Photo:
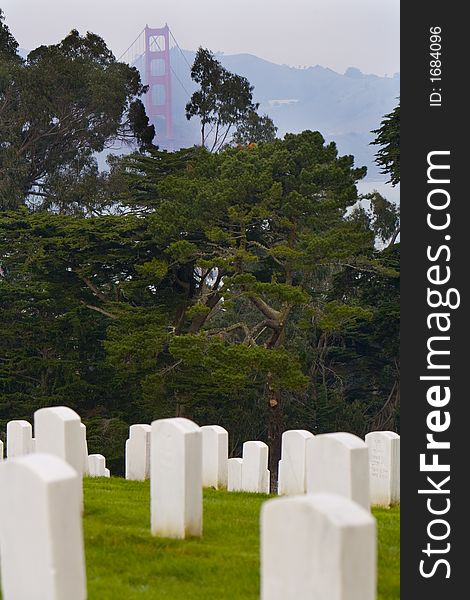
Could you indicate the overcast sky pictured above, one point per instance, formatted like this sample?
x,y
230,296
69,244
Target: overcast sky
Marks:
x,y
331,33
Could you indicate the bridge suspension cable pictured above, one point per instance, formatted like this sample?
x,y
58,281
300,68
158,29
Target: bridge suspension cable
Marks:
x,y
182,53
137,49
127,51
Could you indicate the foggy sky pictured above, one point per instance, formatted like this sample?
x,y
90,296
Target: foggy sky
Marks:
x,y
332,33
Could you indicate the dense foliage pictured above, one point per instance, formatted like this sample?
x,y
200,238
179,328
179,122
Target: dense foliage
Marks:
x,y
223,103
58,109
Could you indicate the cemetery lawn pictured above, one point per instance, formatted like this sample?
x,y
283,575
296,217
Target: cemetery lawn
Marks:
x,y
125,562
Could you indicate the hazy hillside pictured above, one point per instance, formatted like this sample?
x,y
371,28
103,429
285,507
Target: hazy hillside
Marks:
x,y
345,108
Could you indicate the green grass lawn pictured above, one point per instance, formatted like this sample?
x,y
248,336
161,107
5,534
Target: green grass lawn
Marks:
x,y
124,562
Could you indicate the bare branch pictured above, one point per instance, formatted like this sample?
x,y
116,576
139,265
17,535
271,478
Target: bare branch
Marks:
x,y
101,311
270,313
93,287
170,367
224,330
394,237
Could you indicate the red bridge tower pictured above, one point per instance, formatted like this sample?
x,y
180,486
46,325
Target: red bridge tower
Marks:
x,y
158,78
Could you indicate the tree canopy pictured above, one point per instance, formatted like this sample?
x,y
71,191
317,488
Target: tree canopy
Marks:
x,y
222,102
59,108
225,290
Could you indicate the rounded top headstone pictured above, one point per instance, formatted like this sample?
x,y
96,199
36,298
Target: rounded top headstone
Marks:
x,y
346,439
216,428
63,412
180,423
390,434
47,467
340,511
297,433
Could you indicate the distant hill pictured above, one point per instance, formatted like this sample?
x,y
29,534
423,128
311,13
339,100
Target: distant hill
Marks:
x,y
344,108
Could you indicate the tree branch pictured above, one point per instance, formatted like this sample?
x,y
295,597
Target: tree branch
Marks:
x,y
101,311
261,327
259,245
270,313
394,237
224,138
230,328
92,287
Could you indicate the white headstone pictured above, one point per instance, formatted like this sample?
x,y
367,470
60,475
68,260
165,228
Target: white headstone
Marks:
x,y
19,438
96,465
107,473
84,449
138,453
292,463
338,463
176,478
317,547
384,467
1,450
234,479
41,538
57,431
255,474
214,456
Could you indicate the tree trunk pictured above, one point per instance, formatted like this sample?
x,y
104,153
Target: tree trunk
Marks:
x,y
275,429
180,409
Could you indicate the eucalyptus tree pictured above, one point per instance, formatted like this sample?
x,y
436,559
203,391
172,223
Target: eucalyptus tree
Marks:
x,y
224,104
60,107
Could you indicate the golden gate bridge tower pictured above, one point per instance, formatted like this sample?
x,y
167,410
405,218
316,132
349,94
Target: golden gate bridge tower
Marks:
x,y
158,77
152,54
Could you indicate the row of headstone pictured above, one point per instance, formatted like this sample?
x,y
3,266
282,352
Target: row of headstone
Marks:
x,y
333,463
320,546
336,463
250,473
60,432
214,454
341,463
317,546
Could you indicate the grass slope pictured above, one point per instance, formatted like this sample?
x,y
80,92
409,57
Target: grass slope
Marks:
x,y
125,561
